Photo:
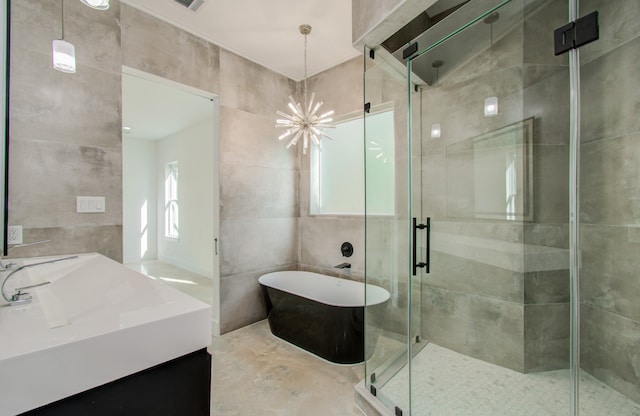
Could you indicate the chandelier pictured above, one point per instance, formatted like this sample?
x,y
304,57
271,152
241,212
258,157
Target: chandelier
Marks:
x,y
304,121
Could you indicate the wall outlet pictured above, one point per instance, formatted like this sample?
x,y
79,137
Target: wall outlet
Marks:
x,y
15,234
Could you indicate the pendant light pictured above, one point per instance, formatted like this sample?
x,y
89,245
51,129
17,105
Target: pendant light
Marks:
x,y
491,103
304,121
97,4
64,53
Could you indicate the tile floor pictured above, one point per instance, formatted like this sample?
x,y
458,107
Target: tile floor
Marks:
x,y
450,383
193,284
257,374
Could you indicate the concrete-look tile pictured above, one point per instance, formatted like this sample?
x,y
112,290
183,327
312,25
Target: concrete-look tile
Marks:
x,y
154,46
609,271
546,16
58,172
250,139
546,337
384,84
321,238
548,286
95,35
511,231
304,192
618,24
433,171
609,187
386,245
483,58
106,240
610,349
279,378
477,326
550,195
250,244
341,88
546,99
241,301
85,108
607,95
366,14
258,192
462,275
450,104
549,235
247,86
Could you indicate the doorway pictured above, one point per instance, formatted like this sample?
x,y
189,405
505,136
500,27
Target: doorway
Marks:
x,y
170,183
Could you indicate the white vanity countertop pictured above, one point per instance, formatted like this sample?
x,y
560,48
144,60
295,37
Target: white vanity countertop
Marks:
x,y
96,322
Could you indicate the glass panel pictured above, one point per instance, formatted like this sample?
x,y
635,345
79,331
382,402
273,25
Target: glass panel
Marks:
x,y
386,240
610,211
337,170
490,134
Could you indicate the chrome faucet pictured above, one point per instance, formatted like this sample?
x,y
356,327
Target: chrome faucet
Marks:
x,y
343,266
21,297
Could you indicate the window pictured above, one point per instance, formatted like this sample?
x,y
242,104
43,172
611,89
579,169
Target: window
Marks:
x,y
171,212
337,171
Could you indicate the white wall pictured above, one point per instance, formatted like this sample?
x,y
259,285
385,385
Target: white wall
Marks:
x,y
193,149
139,200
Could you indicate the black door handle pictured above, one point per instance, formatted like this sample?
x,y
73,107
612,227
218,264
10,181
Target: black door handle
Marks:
x,y
415,229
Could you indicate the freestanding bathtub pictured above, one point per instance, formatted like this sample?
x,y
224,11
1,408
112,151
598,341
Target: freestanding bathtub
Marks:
x,y
321,314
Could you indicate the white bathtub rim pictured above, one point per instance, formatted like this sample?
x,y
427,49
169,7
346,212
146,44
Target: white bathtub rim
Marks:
x,y
324,289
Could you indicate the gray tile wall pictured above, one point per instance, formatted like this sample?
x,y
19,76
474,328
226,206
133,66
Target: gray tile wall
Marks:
x,y
258,177
610,198
62,146
320,236
465,297
65,129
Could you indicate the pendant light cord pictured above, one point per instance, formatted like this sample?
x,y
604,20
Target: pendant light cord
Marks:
x,y
62,18
305,70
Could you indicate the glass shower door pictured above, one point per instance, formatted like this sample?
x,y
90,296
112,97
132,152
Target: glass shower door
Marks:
x,y
609,203
498,127
386,230
489,145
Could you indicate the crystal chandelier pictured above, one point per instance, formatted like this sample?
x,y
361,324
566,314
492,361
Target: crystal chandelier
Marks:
x,y
304,121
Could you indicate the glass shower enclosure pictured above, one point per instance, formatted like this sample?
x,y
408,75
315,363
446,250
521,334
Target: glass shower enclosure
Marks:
x,y
512,253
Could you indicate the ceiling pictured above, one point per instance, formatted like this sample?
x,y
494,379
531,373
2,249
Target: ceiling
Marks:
x,y
266,32
153,110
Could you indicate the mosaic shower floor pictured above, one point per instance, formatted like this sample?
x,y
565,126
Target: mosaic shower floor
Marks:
x,y
449,383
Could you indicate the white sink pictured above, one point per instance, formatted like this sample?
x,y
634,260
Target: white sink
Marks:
x,y
96,322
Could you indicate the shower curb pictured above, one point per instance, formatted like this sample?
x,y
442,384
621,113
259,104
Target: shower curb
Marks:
x,y
368,403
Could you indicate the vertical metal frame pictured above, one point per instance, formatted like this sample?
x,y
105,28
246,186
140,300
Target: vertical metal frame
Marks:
x,y
574,216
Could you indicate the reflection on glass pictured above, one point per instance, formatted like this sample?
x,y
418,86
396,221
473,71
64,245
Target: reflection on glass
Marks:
x,y
337,170
490,176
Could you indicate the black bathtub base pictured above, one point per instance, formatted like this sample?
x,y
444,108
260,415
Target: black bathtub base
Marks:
x,y
333,333
323,357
